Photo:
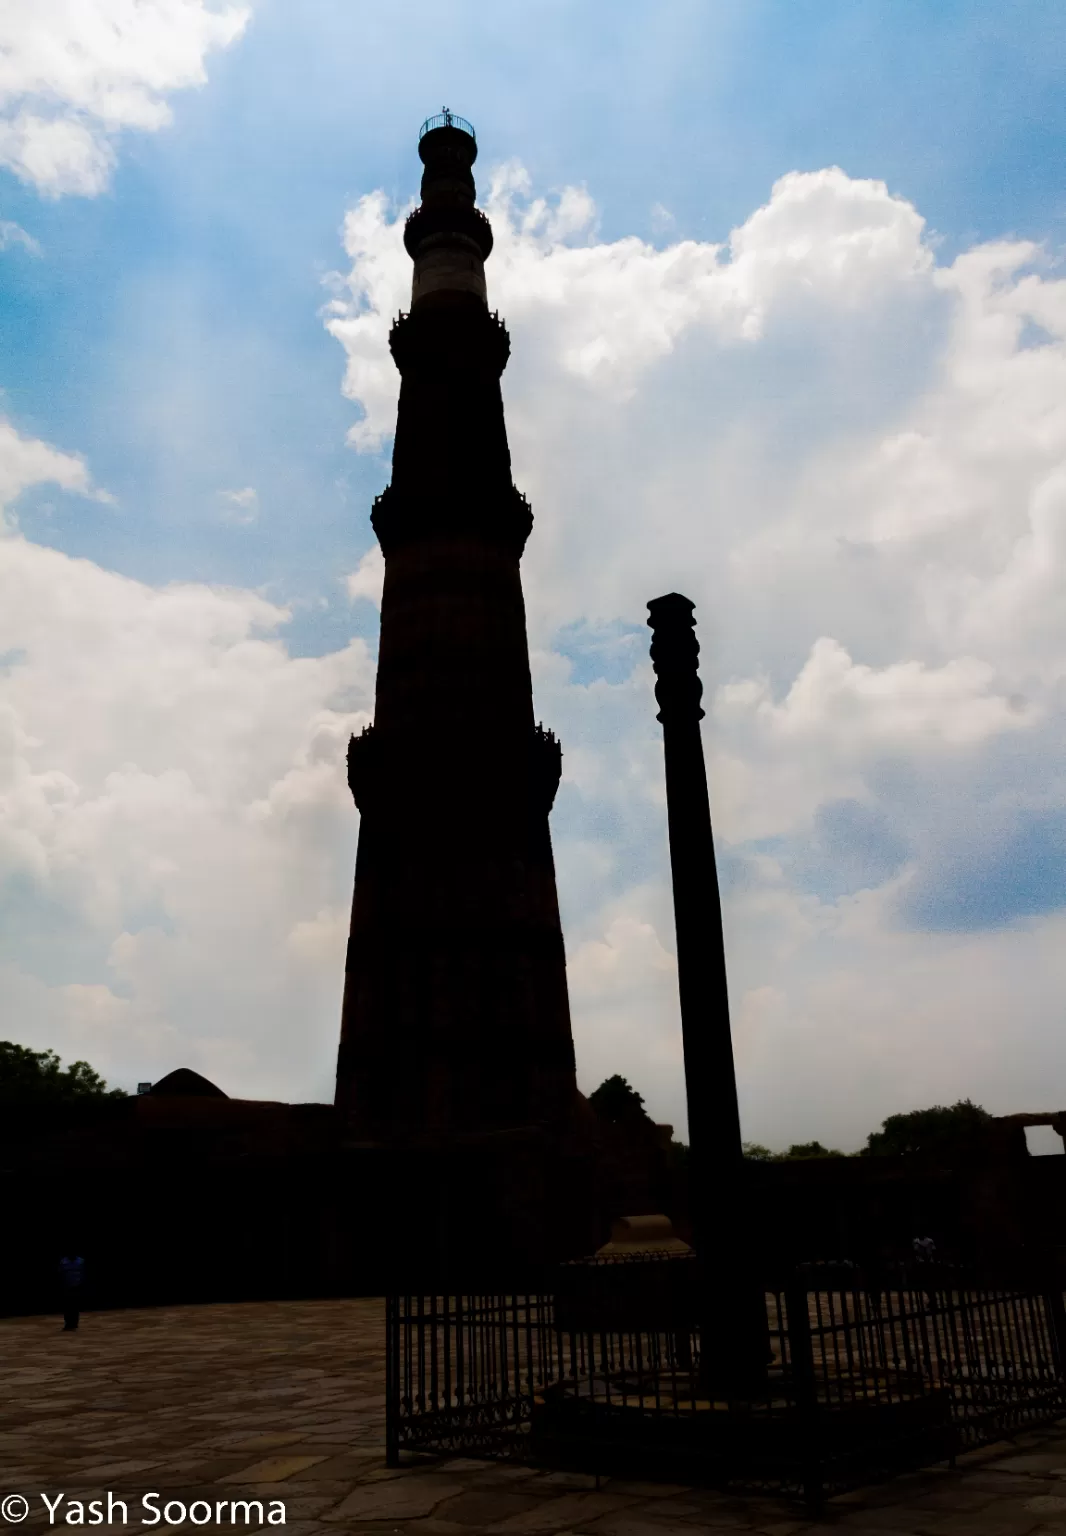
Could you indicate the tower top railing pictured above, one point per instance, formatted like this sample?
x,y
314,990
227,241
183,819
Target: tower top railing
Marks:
x,y
447,119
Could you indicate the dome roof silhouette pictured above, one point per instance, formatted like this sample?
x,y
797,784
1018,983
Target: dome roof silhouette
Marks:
x,y
186,1083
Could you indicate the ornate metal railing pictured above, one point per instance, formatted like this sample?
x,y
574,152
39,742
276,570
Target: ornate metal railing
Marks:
x,y
870,1375
446,119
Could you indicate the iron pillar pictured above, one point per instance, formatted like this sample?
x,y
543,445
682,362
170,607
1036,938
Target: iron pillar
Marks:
x,y
733,1327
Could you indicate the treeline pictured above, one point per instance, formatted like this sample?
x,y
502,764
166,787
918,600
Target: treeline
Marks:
x,y
38,1077
30,1077
941,1129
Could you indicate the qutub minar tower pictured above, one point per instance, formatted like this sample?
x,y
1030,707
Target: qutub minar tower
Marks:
x,y
456,1021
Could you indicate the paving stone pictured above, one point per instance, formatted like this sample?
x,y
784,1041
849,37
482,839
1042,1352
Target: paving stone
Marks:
x,y
993,1480
303,1505
557,1514
1006,1517
630,1523
206,1468
463,1466
433,1526
283,1402
489,1508
569,1480
115,1470
271,1441
982,1453
902,1529
327,1467
637,1489
679,1511
893,1517
274,1469
959,1497
402,1498
1034,1461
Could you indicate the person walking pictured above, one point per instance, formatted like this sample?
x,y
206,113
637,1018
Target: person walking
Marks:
x,y
71,1279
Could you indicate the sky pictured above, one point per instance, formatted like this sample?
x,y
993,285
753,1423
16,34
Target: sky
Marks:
x,y
784,283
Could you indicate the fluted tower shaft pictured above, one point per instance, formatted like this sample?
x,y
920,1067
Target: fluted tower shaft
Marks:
x,y
455,1015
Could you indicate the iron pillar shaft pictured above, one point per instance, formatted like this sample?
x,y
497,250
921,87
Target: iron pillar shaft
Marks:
x,y
733,1327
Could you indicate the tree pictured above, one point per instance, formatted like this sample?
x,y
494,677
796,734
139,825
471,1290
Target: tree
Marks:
x,y
616,1101
808,1149
37,1077
798,1150
941,1131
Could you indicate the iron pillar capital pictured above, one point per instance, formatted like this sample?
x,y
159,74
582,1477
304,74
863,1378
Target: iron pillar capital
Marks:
x,y
675,657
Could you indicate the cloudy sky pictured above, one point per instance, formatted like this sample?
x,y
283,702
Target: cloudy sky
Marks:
x,y
785,290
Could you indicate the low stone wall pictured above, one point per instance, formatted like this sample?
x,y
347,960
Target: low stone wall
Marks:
x,y
212,1199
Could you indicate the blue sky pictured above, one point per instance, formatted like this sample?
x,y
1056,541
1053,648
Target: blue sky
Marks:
x,y
210,246
168,341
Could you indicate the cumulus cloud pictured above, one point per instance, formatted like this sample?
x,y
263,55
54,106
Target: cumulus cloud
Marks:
x,y
368,579
850,455
176,834
853,458
72,76
26,461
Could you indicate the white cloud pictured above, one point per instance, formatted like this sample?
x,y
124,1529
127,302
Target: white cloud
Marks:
x,y
26,461
241,506
14,234
73,73
368,578
609,312
837,720
662,220
173,802
850,456
872,1020
361,322
623,984
853,459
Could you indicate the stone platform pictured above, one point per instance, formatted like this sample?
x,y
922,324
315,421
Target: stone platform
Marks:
x,y
283,1402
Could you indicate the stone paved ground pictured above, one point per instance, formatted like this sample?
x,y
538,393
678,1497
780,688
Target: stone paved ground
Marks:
x,y
283,1401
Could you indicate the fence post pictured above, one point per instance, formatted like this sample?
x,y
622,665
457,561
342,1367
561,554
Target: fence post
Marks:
x,y
801,1359
392,1381
1056,1316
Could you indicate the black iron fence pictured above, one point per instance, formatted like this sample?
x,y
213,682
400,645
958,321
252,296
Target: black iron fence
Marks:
x,y
602,1371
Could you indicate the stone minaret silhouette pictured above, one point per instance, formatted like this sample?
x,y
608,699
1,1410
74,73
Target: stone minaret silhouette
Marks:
x,y
456,1018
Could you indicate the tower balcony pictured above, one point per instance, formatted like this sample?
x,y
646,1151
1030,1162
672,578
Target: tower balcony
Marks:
x,y
449,219
446,119
506,520
546,767
450,341
362,766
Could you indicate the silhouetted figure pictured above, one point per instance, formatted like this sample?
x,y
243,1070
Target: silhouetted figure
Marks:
x,y
924,1250
71,1282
